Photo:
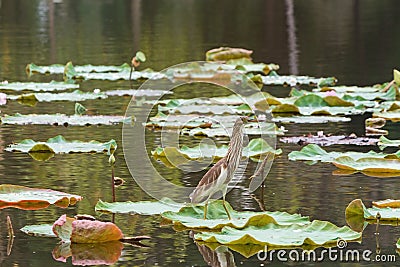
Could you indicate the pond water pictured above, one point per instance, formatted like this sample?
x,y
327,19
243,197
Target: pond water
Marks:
x,y
358,45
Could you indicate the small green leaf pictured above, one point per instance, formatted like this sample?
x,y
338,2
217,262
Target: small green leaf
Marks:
x,y
396,77
80,109
140,56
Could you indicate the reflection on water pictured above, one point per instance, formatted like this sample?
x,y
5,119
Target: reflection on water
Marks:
x,y
358,45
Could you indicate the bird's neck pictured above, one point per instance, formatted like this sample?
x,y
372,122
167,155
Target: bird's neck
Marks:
x,y
235,145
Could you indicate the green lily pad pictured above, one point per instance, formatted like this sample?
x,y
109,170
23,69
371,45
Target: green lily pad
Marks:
x,y
375,165
327,140
43,230
384,142
357,209
76,95
193,217
141,207
388,115
317,233
293,80
32,86
27,198
313,153
136,92
310,119
59,68
256,148
63,120
249,129
59,144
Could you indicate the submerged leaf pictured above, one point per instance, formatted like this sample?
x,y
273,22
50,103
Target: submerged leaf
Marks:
x,y
319,233
141,207
193,217
27,198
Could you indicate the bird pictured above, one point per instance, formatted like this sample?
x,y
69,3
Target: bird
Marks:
x,y
217,178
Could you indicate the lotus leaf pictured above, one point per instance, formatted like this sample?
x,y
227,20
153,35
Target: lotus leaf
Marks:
x,y
59,144
85,231
367,164
310,119
33,86
227,53
388,115
384,142
313,153
249,129
206,109
44,230
327,140
317,233
27,198
357,209
293,80
141,207
137,92
192,217
256,148
387,203
59,68
76,95
62,119
106,253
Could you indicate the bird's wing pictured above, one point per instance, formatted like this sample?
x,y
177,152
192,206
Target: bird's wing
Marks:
x,y
208,182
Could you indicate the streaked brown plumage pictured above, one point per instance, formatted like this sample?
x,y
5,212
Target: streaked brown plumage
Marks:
x,y
218,177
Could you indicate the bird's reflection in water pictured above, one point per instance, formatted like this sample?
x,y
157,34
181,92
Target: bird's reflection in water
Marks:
x,y
220,257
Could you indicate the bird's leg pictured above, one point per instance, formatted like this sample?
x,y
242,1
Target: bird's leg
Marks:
x,y
226,209
205,210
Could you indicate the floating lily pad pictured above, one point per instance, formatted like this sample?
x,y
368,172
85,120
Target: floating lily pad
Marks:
x,y
27,198
317,233
76,95
249,129
389,115
293,80
368,164
85,231
384,142
227,53
256,148
59,68
357,209
387,203
33,86
43,230
311,119
313,153
193,217
137,92
141,207
64,120
327,140
59,144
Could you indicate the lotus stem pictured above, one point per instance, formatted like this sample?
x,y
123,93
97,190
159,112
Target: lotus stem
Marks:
x,y
113,183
